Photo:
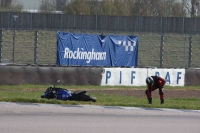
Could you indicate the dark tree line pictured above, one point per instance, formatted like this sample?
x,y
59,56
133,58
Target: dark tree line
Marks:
x,y
10,5
160,8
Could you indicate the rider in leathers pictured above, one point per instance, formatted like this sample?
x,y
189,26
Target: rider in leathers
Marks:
x,y
153,83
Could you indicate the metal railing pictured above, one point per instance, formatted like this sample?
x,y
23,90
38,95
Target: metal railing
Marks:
x,y
42,21
38,47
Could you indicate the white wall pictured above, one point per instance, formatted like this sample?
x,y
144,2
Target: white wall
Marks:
x,y
137,76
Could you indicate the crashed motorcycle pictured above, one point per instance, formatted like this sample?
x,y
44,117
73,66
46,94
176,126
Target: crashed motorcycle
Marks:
x,y
64,94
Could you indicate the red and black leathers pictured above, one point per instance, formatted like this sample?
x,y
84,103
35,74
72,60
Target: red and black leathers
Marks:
x,y
158,84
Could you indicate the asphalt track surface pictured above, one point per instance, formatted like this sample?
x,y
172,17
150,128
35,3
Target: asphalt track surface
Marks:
x,y
51,118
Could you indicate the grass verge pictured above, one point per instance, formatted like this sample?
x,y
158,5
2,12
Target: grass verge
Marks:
x,y
32,93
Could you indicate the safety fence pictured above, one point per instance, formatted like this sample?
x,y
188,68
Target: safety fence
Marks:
x,y
38,47
43,21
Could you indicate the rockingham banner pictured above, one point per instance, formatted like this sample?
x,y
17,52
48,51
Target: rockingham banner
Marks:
x,y
137,76
96,50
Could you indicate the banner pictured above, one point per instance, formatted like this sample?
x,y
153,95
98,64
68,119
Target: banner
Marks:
x,y
96,50
137,76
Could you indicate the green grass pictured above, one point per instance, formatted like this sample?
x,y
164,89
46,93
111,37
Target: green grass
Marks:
x,y
32,93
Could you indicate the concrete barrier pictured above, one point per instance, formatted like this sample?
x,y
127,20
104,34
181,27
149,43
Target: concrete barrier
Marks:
x,y
192,77
46,75
15,75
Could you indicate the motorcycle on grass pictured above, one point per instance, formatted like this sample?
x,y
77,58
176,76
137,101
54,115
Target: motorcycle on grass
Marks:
x,y
64,94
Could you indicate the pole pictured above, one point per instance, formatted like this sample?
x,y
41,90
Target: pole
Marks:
x,y
36,48
14,34
13,51
190,52
185,51
161,50
1,36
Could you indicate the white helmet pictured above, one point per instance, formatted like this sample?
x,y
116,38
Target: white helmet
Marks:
x,y
149,80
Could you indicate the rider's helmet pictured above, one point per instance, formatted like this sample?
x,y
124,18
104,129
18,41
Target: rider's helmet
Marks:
x,y
149,81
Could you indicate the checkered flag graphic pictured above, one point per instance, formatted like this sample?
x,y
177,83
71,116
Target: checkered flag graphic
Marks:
x,y
129,46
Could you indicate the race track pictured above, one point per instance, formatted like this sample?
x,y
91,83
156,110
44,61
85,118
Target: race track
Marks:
x,y
49,118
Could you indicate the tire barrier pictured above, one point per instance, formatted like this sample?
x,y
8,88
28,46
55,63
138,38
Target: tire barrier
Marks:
x,y
15,75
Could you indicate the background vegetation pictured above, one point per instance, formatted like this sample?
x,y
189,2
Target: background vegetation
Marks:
x,y
164,8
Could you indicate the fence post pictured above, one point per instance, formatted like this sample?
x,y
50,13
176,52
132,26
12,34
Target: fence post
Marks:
x,y
1,36
96,23
185,51
161,51
36,47
190,52
161,25
74,22
14,32
183,26
13,50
